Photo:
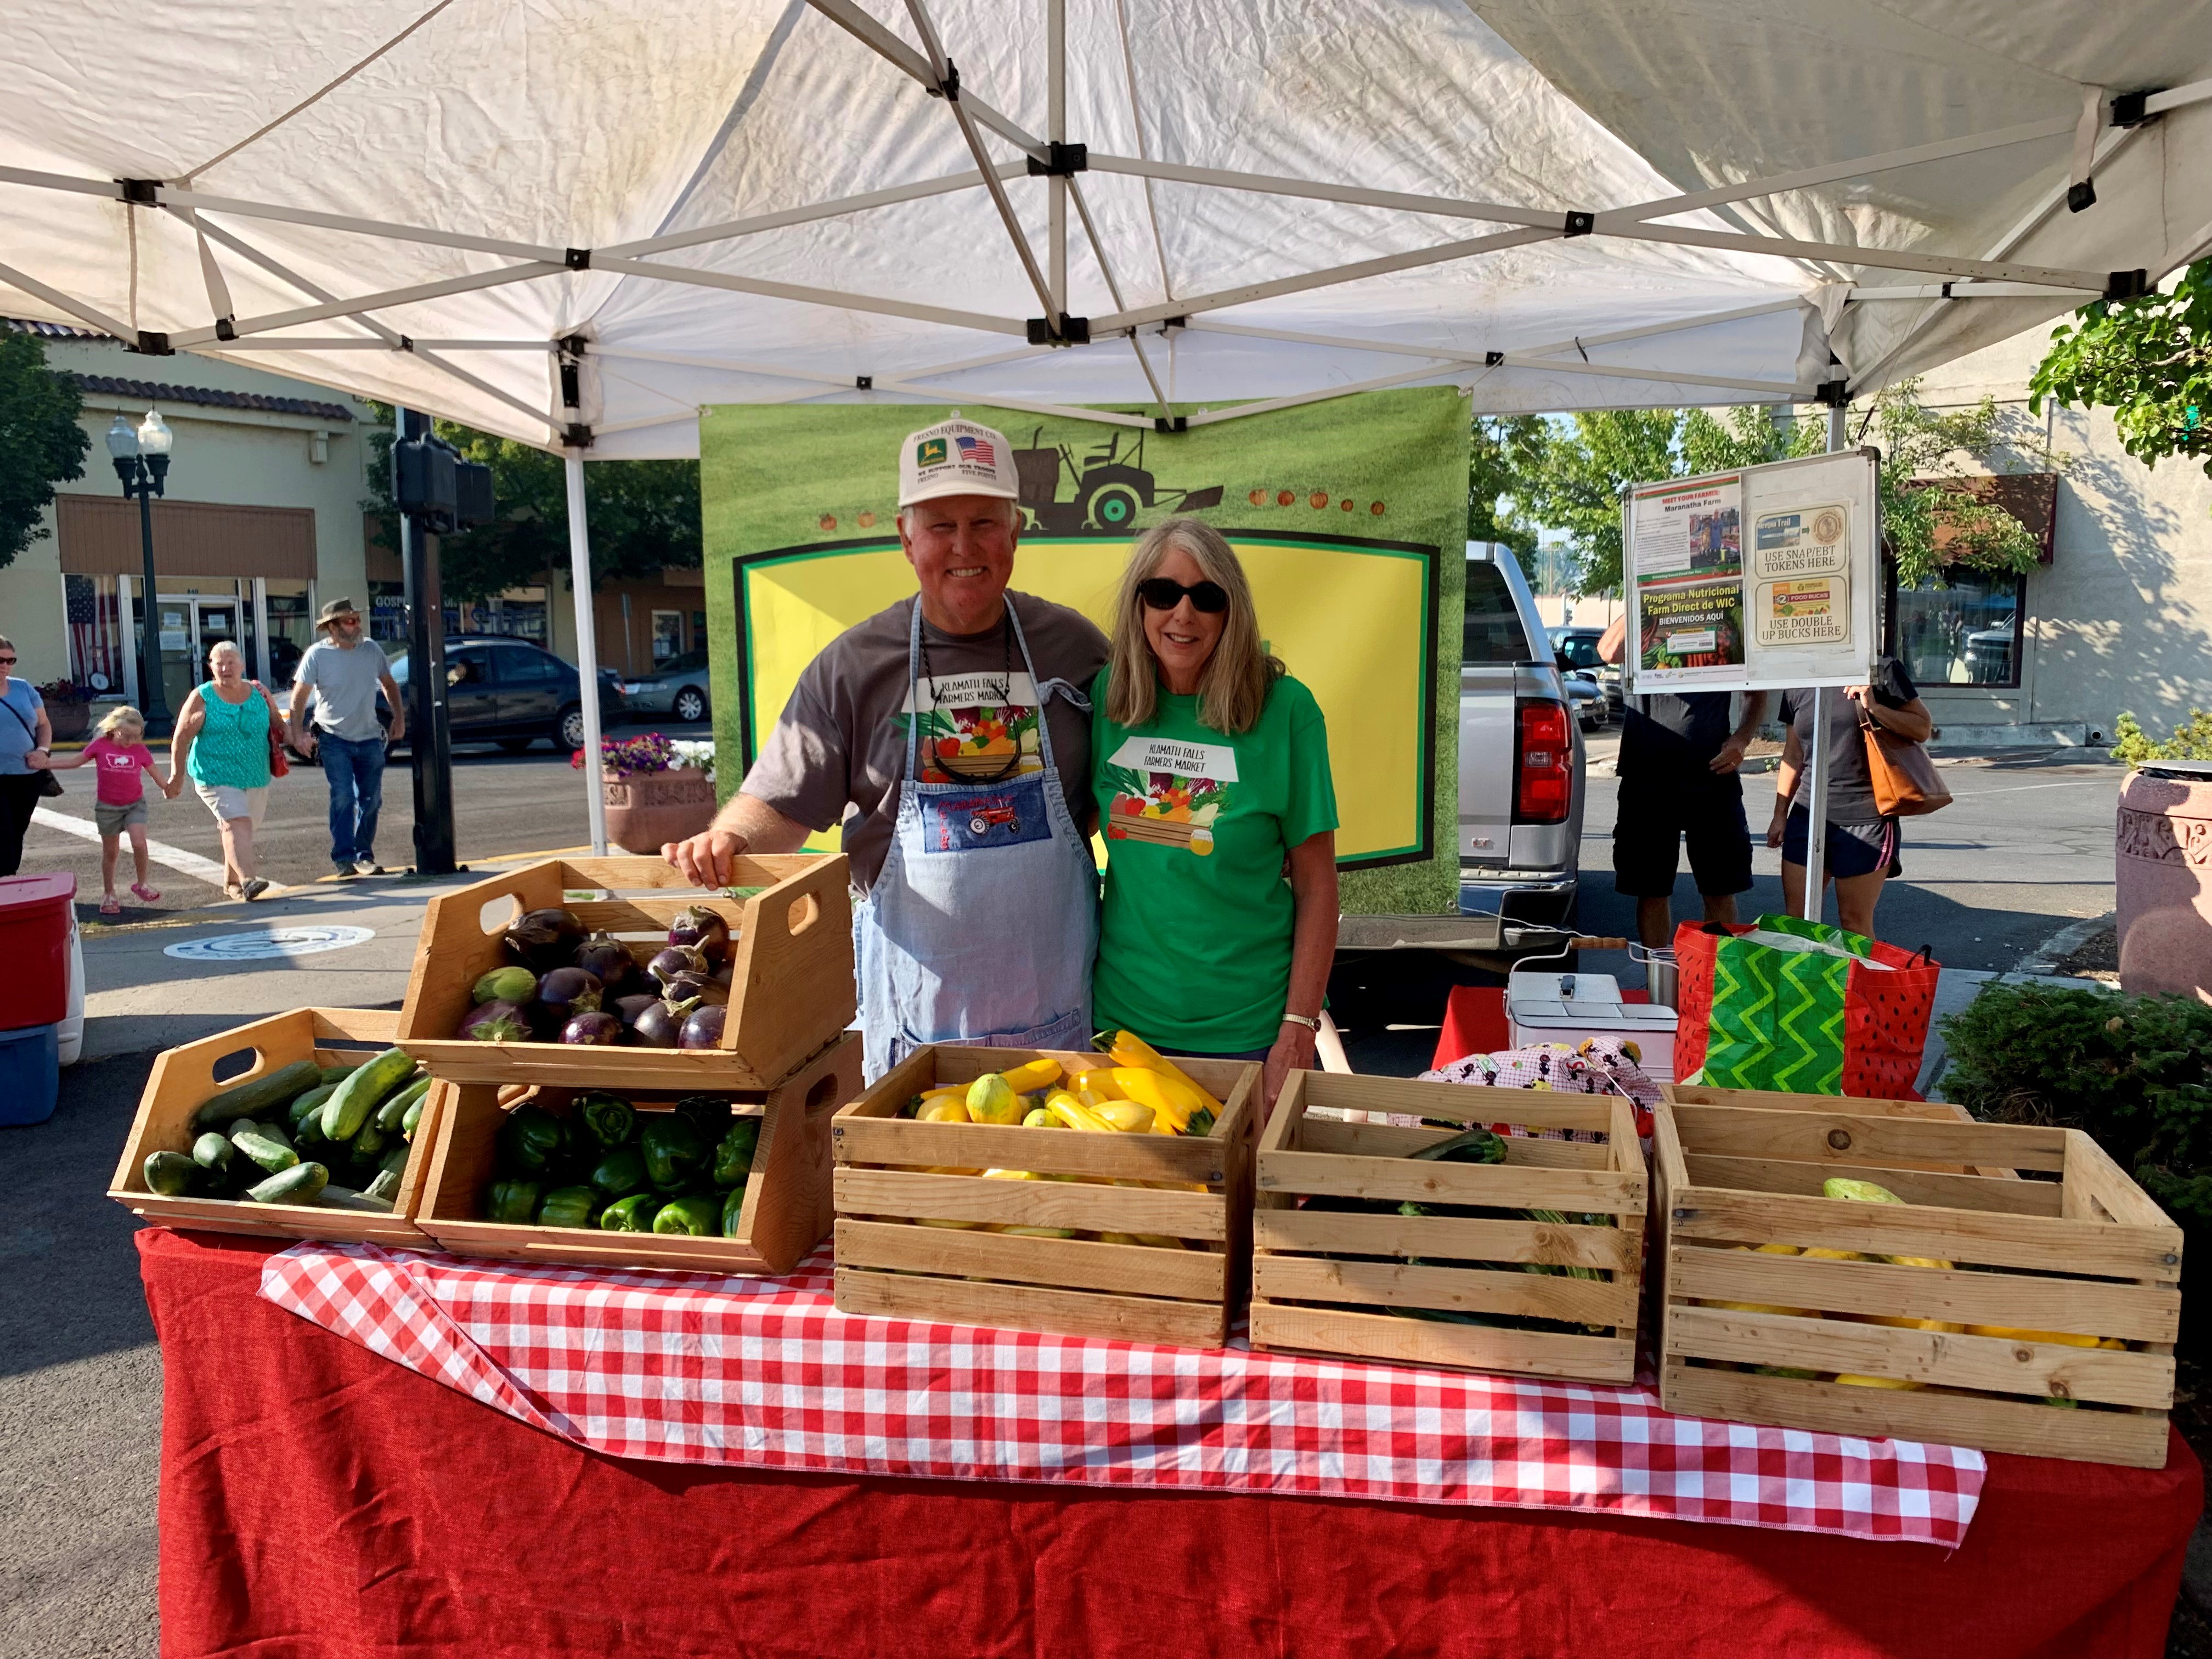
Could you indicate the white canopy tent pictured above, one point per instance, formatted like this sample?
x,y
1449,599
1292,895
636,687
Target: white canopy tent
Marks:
x,y
575,224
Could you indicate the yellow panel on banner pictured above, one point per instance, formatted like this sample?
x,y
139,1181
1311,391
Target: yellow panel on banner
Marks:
x,y
1354,619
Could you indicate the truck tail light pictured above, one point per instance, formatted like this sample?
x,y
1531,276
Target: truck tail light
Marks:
x,y
1543,779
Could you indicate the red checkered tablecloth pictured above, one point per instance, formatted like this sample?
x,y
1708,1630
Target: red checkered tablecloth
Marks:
x,y
766,1372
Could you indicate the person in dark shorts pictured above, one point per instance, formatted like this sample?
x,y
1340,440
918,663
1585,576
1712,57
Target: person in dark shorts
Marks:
x,y
1863,846
1678,756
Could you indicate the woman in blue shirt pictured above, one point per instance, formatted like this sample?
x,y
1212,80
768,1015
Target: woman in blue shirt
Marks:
x,y
24,729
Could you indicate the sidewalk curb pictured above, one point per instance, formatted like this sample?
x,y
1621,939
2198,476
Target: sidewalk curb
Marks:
x,y
2046,956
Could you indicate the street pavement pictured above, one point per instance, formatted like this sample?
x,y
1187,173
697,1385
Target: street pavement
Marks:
x,y
2026,851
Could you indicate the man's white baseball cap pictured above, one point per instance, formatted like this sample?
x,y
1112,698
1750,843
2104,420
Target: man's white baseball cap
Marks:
x,y
957,457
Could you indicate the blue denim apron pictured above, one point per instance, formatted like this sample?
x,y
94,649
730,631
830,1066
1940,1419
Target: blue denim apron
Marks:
x,y
982,924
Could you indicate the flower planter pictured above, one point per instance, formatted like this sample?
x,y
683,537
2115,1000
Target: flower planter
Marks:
x,y
648,809
2163,882
70,720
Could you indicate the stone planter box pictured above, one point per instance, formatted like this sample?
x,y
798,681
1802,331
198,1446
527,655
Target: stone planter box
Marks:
x,y
648,809
70,720
2163,883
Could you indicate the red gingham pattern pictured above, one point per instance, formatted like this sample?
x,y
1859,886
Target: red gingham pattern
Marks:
x,y
688,1367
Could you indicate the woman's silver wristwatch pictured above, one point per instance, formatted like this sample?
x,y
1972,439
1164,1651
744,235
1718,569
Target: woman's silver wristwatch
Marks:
x,y
1311,1022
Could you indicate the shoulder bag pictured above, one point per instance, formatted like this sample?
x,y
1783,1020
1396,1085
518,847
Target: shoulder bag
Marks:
x,y
1906,782
49,785
278,766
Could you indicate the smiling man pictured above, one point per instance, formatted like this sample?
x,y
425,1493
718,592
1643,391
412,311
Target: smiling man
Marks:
x,y
949,736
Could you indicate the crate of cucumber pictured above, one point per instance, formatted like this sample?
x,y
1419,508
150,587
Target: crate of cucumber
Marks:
x,y
323,1134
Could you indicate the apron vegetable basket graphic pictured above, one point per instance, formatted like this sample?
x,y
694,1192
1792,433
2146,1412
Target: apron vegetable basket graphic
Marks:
x,y
1170,792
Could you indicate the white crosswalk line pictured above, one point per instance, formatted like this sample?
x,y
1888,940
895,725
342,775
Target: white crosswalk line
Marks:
x,y
168,857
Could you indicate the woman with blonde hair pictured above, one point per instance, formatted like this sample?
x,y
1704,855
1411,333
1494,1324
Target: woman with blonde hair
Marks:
x,y
1211,767
222,743
118,750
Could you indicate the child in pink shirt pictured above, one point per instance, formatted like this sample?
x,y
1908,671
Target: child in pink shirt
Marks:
x,y
119,752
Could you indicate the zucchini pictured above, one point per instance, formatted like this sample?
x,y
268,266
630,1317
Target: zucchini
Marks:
x,y
212,1152
347,1110
301,1184
385,1186
264,1094
335,1197
309,1101
338,1073
170,1174
394,1161
390,1116
270,1155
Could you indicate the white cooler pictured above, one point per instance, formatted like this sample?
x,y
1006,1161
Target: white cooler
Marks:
x,y
1572,1008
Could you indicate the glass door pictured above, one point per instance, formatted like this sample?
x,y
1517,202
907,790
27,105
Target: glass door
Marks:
x,y
213,621
180,667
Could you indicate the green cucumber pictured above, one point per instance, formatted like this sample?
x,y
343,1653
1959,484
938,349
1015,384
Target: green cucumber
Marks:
x,y
213,1152
394,1161
170,1174
335,1197
413,1117
393,1113
264,1094
386,1187
345,1111
338,1074
369,1141
309,1101
270,1155
301,1184
270,1129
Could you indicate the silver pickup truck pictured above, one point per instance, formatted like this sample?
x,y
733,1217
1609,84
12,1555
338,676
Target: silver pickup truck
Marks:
x,y
1521,757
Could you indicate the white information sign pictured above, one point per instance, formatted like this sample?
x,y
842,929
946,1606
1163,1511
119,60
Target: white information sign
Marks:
x,y
1760,579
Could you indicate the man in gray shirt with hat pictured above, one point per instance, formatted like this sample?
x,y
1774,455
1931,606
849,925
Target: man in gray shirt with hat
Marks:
x,y
345,671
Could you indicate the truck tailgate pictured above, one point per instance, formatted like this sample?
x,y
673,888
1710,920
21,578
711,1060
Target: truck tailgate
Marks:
x,y
1487,759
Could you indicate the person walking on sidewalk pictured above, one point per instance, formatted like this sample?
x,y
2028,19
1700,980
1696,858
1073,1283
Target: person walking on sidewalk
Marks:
x,y
1679,783
24,730
222,743
345,670
118,750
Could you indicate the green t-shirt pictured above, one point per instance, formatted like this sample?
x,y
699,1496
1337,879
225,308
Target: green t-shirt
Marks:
x,y
1195,944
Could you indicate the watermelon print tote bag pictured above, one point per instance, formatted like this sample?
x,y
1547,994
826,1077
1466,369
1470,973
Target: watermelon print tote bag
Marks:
x,y
1801,1007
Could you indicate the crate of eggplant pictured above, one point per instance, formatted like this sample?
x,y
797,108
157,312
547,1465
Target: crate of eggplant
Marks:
x,y
1478,1236
722,1180
614,973
308,1124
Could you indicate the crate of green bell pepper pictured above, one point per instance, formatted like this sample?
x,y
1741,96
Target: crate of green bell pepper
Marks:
x,y
308,1125
579,1171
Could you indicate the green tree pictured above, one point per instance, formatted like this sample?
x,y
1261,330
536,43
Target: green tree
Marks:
x,y
41,443
643,515
2148,361
1505,450
1922,447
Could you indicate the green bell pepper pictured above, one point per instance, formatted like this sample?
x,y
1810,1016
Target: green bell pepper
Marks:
x,y
733,1208
634,1214
569,1206
612,1121
674,1152
620,1173
695,1213
709,1114
529,1141
733,1156
511,1201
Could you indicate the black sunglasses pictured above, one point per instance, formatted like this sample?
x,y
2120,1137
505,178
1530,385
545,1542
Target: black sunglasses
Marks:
x,y
1159,593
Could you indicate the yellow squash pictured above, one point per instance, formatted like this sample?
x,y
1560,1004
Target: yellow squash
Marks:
x,y
1128,1048
944,1110
1036,1074
1172,1101
1851,1380
2064,1339
1095,1080
1127,1116
992,1100
1075,1115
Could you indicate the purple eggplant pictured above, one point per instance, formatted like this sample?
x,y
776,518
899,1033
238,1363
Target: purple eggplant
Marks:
x,y
609,958
542,940
496,1022
690,986
660,1025
627,1009
702,1027
676,959
565,992
593,1029
707,931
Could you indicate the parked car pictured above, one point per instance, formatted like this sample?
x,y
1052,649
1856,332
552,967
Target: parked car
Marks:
x,y
1589,700
1521,759
513,693
1578,649
677,687
1989,660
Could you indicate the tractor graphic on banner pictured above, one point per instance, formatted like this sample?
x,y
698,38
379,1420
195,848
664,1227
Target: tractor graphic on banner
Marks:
x,y
1111,486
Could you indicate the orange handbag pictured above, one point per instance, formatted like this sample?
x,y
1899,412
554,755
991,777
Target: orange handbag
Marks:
x,y
1906,782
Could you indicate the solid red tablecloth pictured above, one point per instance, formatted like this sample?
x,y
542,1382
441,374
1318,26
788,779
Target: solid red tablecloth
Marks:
x,y
320,1502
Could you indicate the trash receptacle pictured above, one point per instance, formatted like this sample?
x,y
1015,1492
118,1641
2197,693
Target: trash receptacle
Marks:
x,y
35,916
30,1075
2163,878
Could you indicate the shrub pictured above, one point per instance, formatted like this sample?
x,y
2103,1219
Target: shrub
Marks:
x,y
2131,743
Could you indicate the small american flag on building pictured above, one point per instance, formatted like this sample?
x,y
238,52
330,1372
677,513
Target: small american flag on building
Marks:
x,y
977,449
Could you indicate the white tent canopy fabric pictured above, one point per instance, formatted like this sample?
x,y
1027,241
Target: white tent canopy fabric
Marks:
x,y
575,222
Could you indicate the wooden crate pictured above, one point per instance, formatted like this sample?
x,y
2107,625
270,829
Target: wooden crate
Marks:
x,y
1314,1270
184,1079
2086,1253
787,1201
890,1263
791,987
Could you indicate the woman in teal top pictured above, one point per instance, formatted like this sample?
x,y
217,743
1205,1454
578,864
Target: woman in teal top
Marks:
x,y
1211,766
223,742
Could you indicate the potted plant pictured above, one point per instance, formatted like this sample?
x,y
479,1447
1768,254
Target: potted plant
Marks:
x,y
68,709
655,791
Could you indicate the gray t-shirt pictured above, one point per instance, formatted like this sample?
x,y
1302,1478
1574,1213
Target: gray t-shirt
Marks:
x,y
840,749
345,688
1850,793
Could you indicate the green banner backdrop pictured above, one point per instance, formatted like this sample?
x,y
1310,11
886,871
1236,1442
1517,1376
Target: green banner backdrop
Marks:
x,y
1350,516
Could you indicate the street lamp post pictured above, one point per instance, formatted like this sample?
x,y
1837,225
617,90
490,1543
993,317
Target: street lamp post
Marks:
x,y
142,461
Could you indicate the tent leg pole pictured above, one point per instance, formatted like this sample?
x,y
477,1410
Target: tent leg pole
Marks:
x,y
587,651
1056,49
1816,759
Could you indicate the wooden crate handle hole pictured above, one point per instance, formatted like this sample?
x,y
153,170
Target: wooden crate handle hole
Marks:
x,y
822,1096
250,1062
509,908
